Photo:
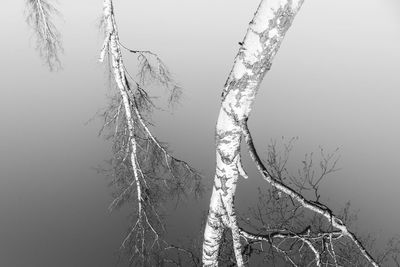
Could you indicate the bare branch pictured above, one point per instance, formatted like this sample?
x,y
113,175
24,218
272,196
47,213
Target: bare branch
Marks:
x,y
313,206
48,39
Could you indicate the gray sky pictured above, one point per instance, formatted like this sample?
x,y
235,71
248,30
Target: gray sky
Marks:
x,y
335,82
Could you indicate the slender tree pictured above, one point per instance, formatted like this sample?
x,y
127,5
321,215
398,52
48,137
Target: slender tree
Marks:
x,y
142,166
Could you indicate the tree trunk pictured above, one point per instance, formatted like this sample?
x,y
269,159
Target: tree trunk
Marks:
x,y
263,38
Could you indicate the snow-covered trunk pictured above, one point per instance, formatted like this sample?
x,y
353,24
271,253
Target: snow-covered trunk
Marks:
x,y
263,38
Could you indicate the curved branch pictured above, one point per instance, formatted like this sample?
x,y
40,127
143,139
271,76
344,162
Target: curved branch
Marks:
x,y
313,206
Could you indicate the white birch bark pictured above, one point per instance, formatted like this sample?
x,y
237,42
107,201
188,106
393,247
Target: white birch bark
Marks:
x,y
151,165
263,38
111,44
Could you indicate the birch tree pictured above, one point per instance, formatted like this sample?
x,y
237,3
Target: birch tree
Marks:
x,y
265,33
142,167
145,172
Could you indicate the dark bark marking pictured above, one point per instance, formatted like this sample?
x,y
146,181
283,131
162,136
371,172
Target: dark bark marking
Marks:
x,y
223,180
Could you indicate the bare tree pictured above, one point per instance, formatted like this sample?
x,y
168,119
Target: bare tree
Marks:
x,y
286,227
263,38
142,166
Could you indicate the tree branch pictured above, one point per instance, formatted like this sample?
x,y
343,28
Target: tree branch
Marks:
x,y
322,210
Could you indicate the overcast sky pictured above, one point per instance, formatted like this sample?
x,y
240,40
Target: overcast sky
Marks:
x,y
335,82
